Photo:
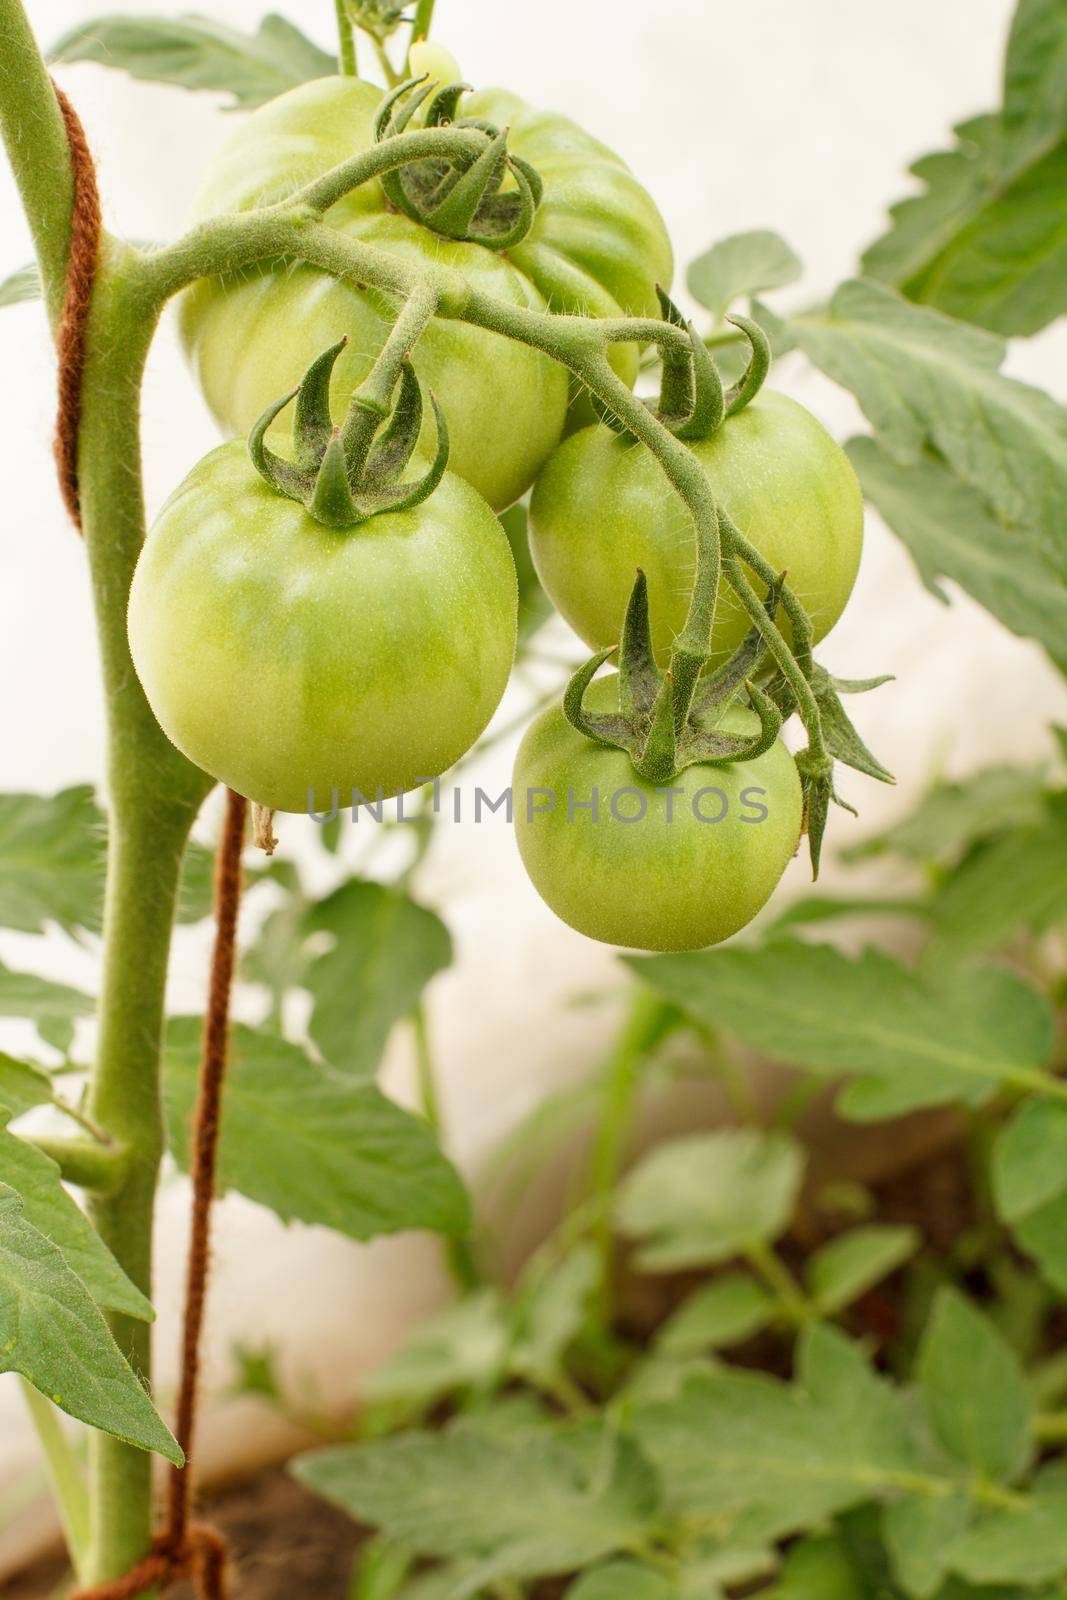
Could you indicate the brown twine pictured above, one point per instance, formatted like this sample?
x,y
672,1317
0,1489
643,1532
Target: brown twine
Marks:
x,y
186,1548
77,294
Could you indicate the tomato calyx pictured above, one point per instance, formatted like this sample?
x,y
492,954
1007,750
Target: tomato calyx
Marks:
x,y
345,475
668,721
461,199
692,403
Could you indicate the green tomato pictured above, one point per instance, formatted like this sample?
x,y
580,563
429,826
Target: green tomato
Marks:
x,y
597,245
290,660
672,868
603,507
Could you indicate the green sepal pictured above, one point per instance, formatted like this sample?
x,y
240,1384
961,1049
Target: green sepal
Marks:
x,y
312,422
759,364
459,199
332,502
666,720
347,475
842,741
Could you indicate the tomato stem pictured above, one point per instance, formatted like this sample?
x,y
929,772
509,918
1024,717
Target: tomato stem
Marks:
x,y
346,42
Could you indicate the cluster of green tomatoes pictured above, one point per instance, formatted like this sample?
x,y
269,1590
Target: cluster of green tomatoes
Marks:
x,y
338,613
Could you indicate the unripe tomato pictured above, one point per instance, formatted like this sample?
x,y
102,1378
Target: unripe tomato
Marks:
x,y
672,868
597,244
290,660
603,507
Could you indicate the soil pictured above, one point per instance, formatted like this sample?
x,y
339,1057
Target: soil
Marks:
x,y
287,1544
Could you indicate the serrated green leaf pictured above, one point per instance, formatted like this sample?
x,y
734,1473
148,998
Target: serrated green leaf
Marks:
x,y
974,1390
953,817
908,1043
821,1569
22,284
197,53
843,1270
52,1333
1015,884
727,1311
700,1200
551,1307
22,1085
51,1007
928,383
814,909
385,951
952,533
1026,1544
465,1346
625,1580
919,1534
768,1458
310,1145
985,241
522,1506
50,1209
740,266
52,855
1029,1172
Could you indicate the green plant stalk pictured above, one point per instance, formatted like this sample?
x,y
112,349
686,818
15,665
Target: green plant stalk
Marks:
x,y
621,1081
459,1255
346,42
36,141
793,1302
100,1168
65,1472
154,795
422,20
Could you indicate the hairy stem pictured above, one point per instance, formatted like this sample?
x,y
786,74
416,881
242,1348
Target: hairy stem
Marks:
x,y
422,20
346,42
621,1079
65,1473
154,794
36,140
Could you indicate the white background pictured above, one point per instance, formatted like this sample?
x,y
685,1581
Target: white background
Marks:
x,y
799,115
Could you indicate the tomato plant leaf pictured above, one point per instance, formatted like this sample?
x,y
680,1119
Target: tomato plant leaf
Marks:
x,y
523,1505
1029,1171
465,1346
312,1146
907,1042
843,1270
22,284
22,1086
625,1580
929,383
52,1007
724,1312
919,1533
551,1305
974,1390
1017,883
986,241
700,1200
768,1458
385,950
197,53
952,817
952,533
739,266
52,854
50,1209
1026,1544
54,1335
